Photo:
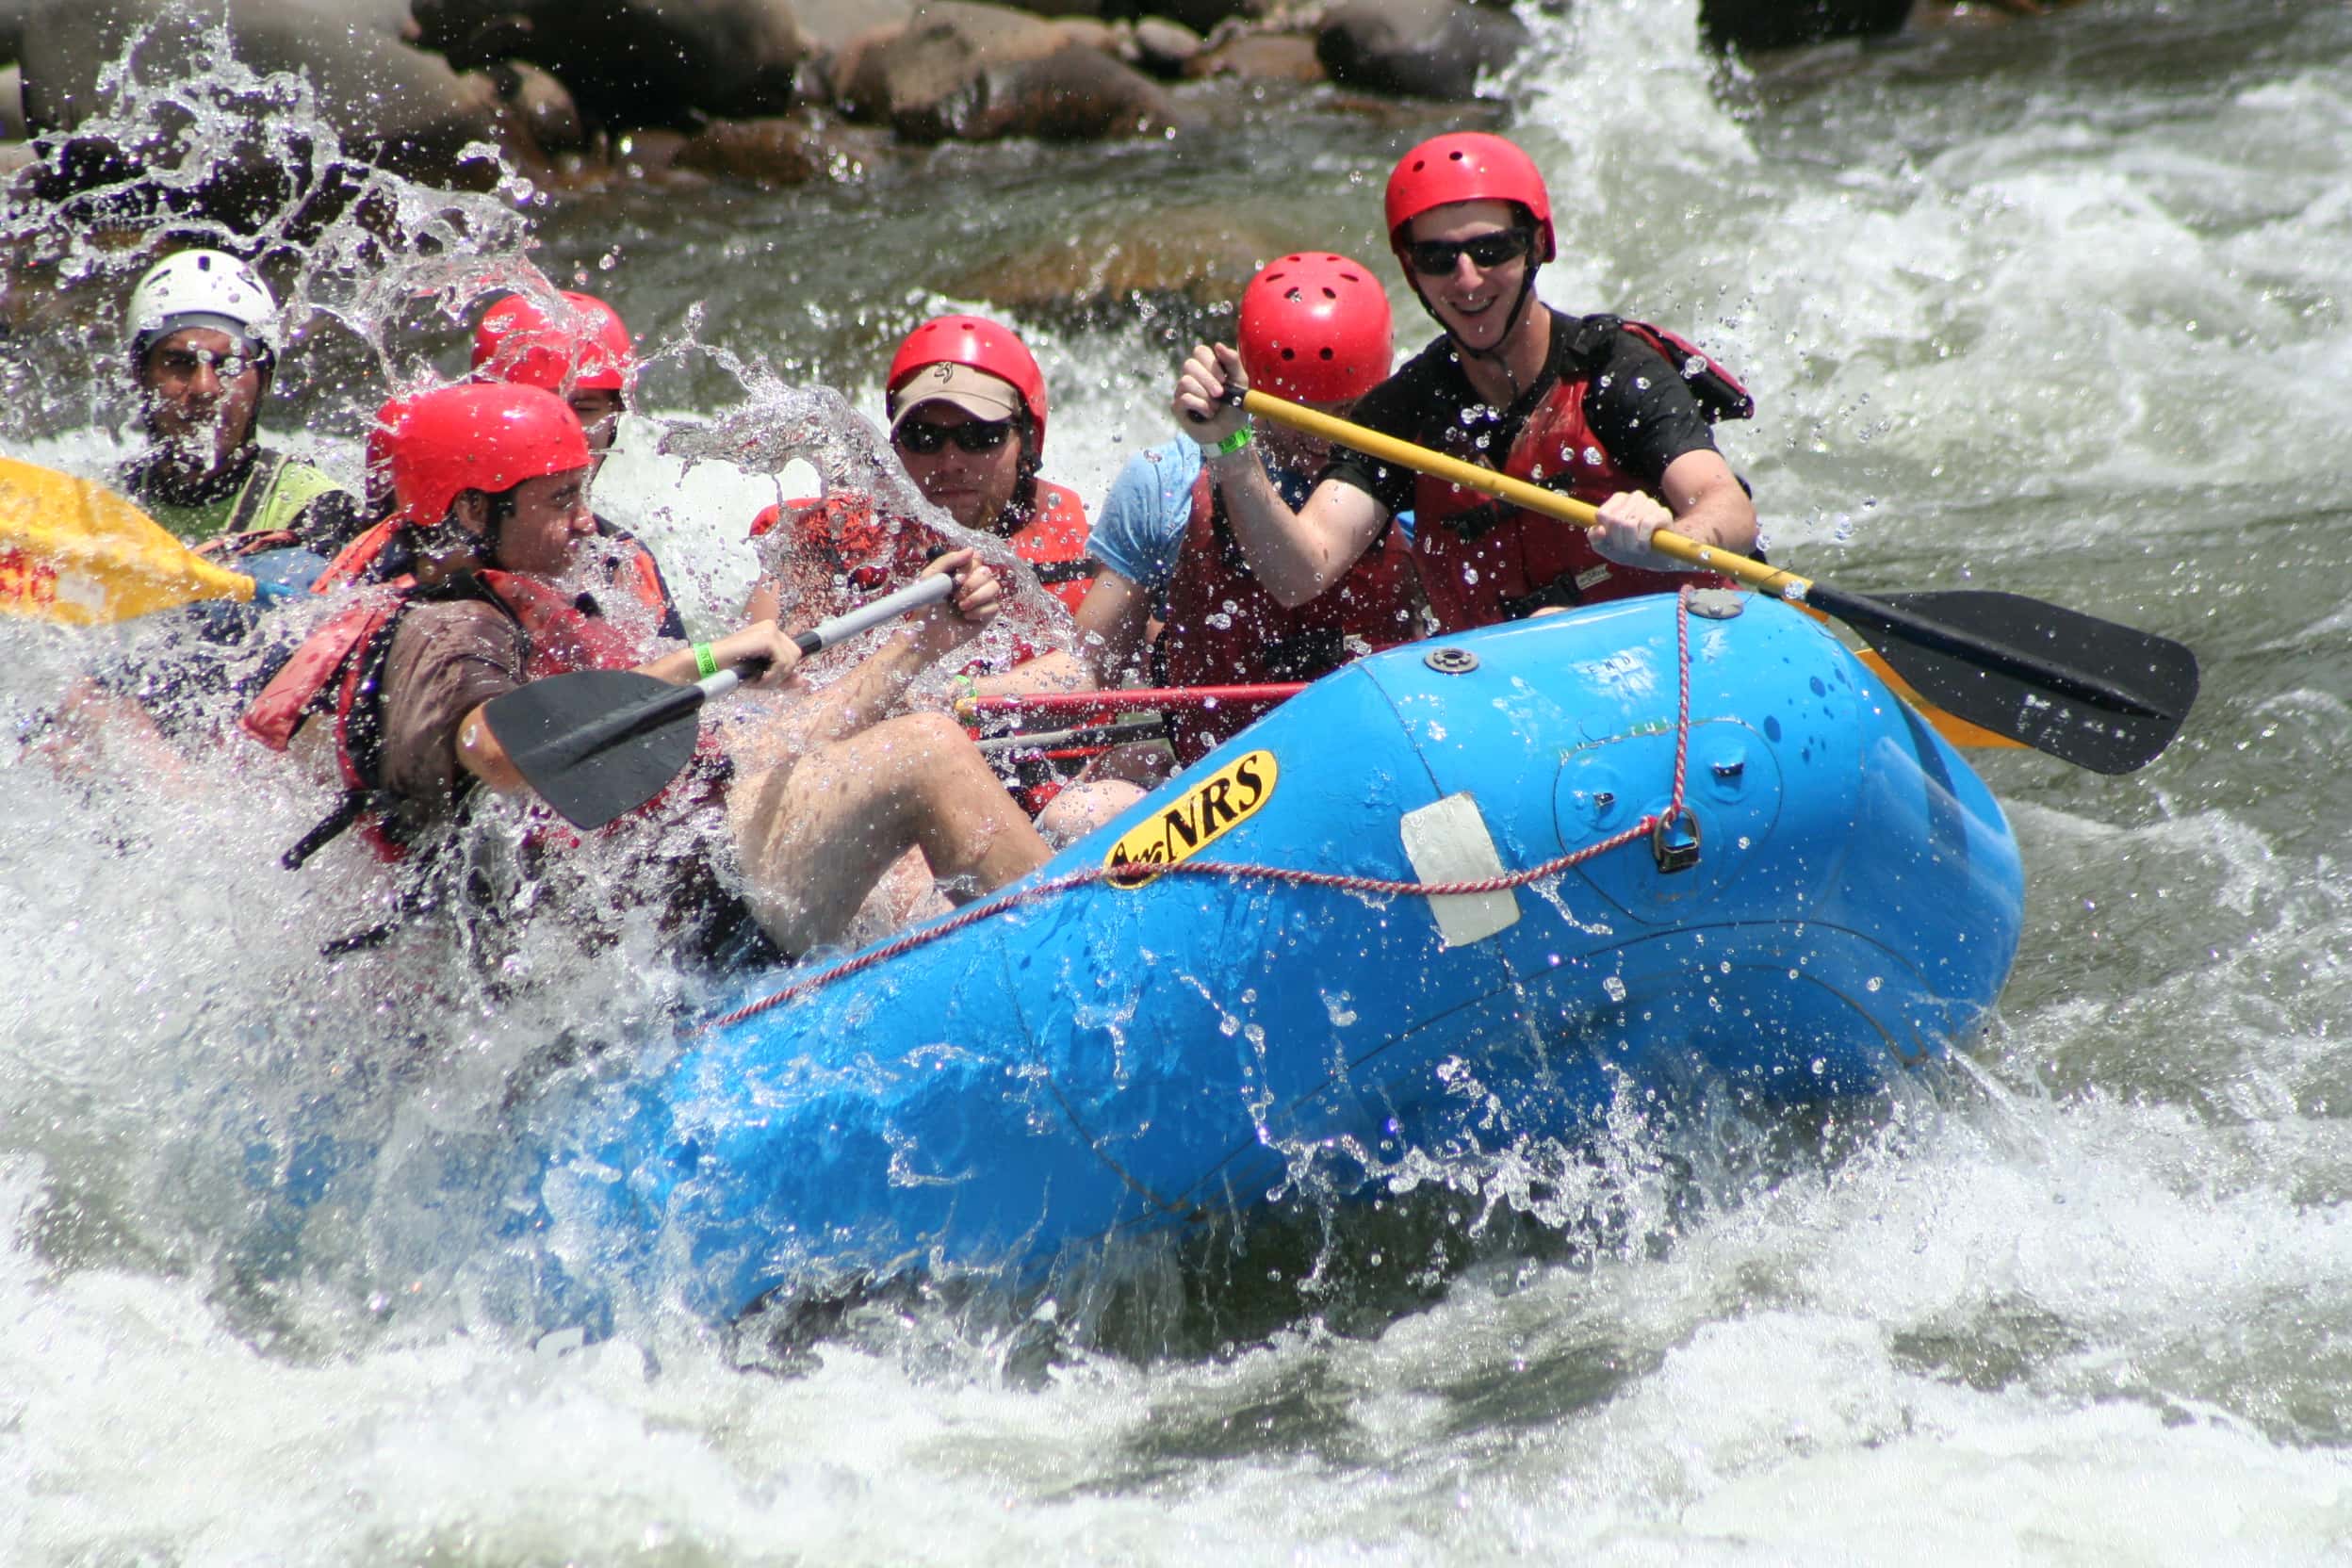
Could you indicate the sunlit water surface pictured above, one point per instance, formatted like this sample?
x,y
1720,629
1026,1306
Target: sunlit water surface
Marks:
x,y
2059,309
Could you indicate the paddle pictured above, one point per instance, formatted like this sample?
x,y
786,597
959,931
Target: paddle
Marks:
x,y
74,553
1123,699
1087,738
596,744
2093,692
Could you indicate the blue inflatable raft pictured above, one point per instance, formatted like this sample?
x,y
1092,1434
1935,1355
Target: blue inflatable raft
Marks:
x,y
1837,898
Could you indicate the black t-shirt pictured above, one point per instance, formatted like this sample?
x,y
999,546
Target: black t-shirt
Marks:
x,y
1639,408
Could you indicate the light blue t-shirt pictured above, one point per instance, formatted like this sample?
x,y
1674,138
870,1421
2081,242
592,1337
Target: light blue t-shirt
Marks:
x,y
1140,529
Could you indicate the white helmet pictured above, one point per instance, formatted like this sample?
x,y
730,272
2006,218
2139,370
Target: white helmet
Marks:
x,y
201,289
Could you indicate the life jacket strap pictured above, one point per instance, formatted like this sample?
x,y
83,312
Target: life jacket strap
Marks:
x,y
348,810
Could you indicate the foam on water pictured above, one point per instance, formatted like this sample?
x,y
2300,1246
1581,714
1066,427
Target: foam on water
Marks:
x,y
2086,1303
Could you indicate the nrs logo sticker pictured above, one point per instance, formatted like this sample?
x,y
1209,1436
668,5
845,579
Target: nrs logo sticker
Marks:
x,y
1202,816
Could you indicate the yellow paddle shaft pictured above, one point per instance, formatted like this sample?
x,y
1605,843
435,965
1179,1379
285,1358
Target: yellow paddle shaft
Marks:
x,y
1757,575
1388,448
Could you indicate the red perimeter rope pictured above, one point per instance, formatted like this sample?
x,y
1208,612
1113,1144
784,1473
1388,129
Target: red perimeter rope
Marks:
x,y
1294,876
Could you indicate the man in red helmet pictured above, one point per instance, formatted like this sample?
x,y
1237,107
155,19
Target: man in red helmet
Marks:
x,y
967,406
575,345
1314,328
1587,405
491,482
579,350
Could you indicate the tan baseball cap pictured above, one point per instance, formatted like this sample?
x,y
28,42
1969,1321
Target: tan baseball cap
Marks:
x,y
976,392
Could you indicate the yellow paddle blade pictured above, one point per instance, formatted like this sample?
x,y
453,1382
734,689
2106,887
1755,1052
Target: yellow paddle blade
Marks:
x,y
74,553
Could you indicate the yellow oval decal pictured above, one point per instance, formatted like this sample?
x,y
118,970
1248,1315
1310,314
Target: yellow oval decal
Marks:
x,y
1198,819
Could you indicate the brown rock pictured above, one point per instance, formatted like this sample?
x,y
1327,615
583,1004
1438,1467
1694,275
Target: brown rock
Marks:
x,y
12,104
1260,56
1192,254
543,105
913,70
1091,32
1162,47
977,71
791,150
830,25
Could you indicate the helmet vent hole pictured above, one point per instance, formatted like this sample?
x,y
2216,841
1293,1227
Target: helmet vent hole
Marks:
x,y
1290,354
1330,293
1327,354
1457,155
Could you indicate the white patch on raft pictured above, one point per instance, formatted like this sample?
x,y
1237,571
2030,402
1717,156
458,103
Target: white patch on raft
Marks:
x,y
1448,841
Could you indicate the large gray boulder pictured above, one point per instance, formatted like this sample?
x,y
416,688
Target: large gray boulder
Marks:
x,y
630,63
1427,48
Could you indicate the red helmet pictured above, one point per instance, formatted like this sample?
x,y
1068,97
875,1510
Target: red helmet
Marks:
x,y
582,347
1314,328
976,342
1466,166
487,436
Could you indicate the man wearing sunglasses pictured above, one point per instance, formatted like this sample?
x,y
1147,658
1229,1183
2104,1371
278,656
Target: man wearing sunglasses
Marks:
x,y
1587,405
200,324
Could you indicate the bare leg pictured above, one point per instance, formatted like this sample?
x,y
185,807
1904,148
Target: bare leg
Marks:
x,y
818,835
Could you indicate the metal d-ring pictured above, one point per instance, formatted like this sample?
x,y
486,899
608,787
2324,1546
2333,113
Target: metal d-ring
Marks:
x,y
1675,842
1450,661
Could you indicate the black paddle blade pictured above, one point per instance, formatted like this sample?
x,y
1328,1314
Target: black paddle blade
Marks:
x,y
599,743
2101,695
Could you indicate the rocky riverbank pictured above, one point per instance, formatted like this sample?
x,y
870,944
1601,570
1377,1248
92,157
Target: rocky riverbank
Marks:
x,y
774,91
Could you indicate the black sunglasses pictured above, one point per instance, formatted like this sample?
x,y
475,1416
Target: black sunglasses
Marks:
x,y
1435,258
923,438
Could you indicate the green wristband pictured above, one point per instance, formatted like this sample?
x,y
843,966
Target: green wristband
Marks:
x,y
1232,443
706,664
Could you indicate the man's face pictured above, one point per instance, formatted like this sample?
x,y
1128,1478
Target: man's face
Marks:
x,y
965,467
201,391
599,412
549,520
1484,253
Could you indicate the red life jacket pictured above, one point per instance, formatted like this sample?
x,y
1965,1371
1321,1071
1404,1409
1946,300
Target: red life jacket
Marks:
x,y
1224,629
867,552
633,571
870,553
340,668
1054,542
1482,560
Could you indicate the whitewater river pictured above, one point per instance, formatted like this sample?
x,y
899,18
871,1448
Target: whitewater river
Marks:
x,y
2061,309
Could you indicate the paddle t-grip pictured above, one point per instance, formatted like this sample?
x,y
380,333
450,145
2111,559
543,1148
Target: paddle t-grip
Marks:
x,y
1233,398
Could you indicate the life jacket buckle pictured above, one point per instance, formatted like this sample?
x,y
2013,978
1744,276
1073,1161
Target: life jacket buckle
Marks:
x,y
1675,842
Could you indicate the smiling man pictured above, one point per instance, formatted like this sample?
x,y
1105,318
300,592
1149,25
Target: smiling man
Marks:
x,y
1587,405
